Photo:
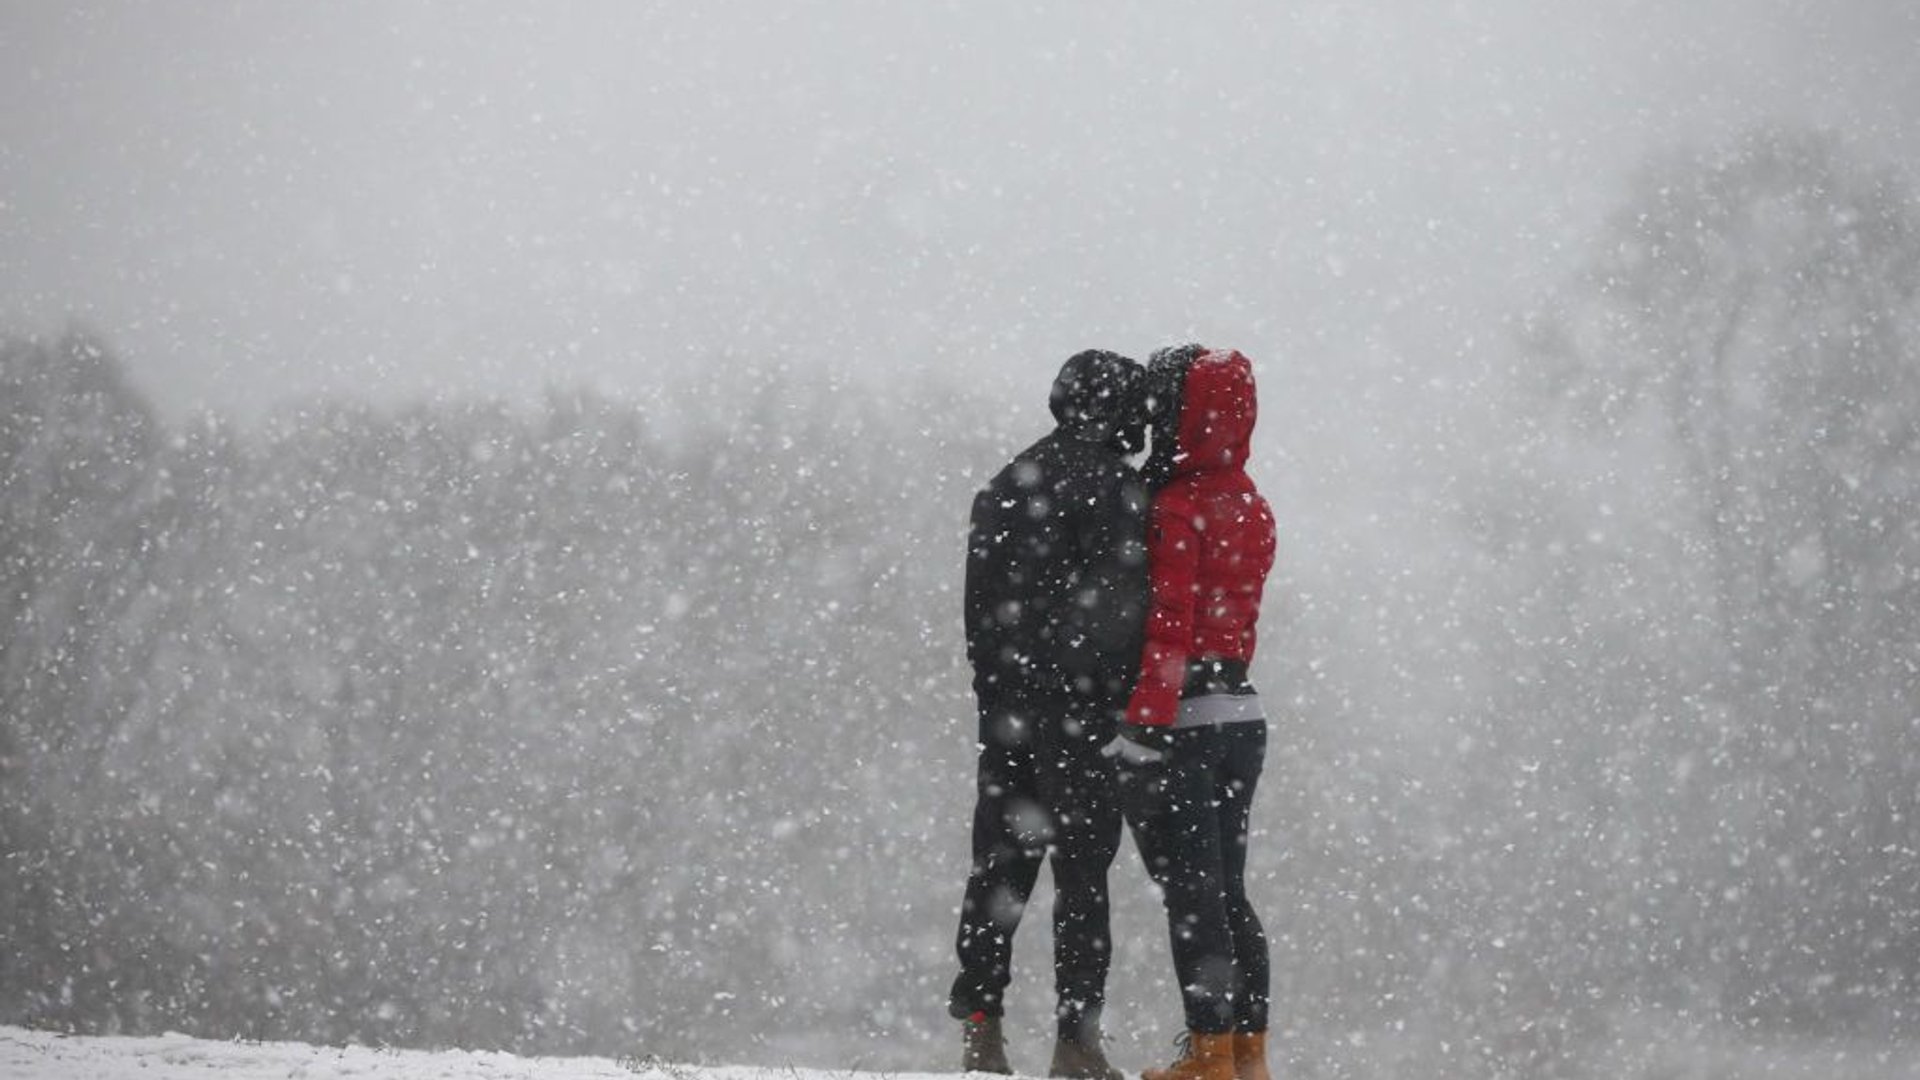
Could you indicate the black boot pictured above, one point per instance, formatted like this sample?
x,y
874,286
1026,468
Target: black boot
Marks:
x,y
983,1046
1074,1059
1077,1054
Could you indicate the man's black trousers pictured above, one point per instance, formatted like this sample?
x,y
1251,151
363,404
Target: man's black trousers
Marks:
x,y
1044,793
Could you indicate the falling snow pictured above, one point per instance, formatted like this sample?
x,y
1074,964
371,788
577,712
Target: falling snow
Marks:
x,y
482,498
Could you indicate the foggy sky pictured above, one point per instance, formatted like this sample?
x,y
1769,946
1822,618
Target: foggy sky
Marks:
x,y
261,200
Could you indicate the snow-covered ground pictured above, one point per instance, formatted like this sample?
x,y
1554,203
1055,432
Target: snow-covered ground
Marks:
x,y
39,1055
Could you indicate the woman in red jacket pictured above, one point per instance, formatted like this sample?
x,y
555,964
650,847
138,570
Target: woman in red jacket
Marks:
x,y
1195,737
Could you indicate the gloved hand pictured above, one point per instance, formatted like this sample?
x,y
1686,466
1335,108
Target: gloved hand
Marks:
x,y
1140,744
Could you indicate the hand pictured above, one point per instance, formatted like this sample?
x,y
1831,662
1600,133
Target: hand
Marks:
x,y
1139,744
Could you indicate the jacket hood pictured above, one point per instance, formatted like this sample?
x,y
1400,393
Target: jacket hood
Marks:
x,y
1096,397
1216,407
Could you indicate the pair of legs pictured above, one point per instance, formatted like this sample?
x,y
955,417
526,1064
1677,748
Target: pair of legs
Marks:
x,y
1044,795
1190,816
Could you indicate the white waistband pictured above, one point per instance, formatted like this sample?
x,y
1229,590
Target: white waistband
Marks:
x,y
1219,709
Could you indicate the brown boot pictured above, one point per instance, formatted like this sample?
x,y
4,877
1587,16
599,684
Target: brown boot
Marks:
x,y
1078,1059
1205,1057
983,1046
1250,1056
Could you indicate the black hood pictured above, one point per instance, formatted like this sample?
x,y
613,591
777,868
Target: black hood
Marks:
x,y
1164,387
1096,398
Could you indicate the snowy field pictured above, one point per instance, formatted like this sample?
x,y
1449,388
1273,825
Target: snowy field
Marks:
x,y
39,1055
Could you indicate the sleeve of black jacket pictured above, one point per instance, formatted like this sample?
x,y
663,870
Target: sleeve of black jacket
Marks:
x,y
987,583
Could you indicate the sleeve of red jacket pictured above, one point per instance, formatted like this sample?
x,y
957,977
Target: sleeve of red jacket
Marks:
x,y
1173,557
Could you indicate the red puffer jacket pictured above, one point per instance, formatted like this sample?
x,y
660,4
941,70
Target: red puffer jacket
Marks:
x,y
1210,538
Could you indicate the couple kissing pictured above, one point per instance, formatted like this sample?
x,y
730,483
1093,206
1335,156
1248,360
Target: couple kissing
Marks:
x,y
1110,620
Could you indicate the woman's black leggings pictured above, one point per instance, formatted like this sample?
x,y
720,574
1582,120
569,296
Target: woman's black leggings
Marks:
x,y
1190,818
1245,755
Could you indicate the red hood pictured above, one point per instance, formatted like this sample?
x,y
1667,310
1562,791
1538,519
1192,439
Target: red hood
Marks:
x,y
1217,410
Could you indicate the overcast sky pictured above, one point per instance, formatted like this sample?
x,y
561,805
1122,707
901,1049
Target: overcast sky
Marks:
x,y
257,200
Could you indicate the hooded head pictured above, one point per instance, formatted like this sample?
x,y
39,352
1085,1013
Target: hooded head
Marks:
x,y
1203,407
1096,398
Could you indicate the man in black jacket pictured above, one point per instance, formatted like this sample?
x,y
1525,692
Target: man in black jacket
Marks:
x,y
1056,594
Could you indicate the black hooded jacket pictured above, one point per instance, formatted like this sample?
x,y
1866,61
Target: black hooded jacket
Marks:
x,y
1056,585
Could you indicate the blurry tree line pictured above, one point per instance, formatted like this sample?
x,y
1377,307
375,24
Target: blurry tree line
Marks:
x,y
598,727
1702,540
463,726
